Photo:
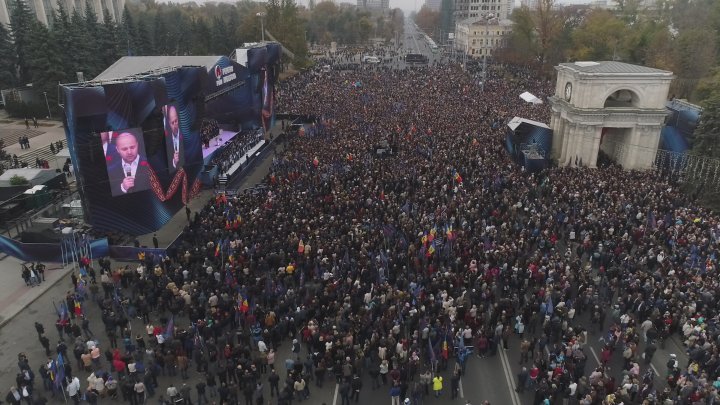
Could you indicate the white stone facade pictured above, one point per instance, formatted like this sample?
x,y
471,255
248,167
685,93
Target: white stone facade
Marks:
x,y
613,106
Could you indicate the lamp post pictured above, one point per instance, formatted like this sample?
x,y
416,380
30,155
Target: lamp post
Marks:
x,y
262,25
47,105
486,42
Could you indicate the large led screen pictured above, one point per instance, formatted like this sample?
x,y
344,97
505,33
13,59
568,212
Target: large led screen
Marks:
x,y
136,148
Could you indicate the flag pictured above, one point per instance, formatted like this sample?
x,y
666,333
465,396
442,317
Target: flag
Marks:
x,y
53,370
243,305
217,249
424,238
78,308
60,371
170,329
432,352
450,232
431,249
652,222
388,230
457,176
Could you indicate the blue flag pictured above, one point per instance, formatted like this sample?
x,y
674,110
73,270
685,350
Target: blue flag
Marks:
x,y
170,329
60,375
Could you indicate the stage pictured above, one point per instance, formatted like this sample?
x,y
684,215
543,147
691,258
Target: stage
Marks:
x,y
224,137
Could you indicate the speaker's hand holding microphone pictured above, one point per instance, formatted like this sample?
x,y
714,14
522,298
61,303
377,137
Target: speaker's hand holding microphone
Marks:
x,y
128,181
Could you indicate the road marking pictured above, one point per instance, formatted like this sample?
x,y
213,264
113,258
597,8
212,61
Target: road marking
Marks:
x,y
508,375
462,394
337,386
594,355
654,369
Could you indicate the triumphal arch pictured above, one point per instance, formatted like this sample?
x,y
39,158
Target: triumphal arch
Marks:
x,y
613,107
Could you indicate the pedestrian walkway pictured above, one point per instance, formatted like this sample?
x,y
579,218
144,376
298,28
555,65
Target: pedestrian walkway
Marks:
x,y
15,296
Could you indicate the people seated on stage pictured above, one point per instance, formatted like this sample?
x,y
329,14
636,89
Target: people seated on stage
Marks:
x,y
235,149
208,130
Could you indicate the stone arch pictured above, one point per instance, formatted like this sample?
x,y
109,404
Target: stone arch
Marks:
x,y
623,97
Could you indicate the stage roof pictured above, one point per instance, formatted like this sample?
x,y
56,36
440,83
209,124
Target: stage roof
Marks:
x,y
133,65
530,98
517,121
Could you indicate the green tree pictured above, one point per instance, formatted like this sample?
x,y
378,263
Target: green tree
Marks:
x,y
107,41
7,59
144,42
45,64
706,134
599,37
128,33
161,36
21,22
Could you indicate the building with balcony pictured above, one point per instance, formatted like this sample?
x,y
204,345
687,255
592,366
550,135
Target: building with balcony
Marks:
x,y
479,36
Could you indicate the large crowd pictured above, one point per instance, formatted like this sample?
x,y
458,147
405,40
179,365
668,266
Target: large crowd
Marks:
x,y
391,267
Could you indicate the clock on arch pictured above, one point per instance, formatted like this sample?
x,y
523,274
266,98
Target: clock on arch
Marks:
x,y
568,91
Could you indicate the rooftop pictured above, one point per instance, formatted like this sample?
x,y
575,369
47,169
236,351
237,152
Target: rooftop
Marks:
x,y
612,67
133,65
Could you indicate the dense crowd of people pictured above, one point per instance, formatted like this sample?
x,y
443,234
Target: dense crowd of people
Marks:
x,y
389,267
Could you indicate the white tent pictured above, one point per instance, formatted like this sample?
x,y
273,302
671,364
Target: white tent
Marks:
x,y
530,98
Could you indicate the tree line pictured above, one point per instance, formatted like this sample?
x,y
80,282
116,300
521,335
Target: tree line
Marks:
x,y
80,40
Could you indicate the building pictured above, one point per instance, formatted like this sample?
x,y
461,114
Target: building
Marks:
x,y
465,9
44,9
433,5
610,107
533,4
373,4
479,36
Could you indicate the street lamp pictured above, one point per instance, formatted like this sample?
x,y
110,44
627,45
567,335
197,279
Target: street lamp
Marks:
x,y
262,25
47,105
486,41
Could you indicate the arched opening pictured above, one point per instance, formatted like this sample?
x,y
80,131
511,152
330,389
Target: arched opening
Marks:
x,y
613,146
622,98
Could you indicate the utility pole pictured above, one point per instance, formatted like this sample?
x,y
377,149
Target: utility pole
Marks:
x,y
486,49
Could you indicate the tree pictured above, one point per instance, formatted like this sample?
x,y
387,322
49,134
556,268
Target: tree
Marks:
x,y
548,23
705,137
17,180
143,42
45,63
83,46
161,37
62,39
427,19
21,21
107,40
7,59
599,37
695,55
128,33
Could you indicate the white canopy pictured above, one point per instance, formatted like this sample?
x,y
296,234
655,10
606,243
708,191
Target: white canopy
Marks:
x,y
530,98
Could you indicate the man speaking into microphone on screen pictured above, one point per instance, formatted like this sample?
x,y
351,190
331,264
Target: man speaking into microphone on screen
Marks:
x,y
174,139
131,173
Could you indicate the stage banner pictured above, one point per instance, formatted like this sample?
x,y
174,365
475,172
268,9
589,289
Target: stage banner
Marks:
x,y
227,87
46,252
131,253
136,147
